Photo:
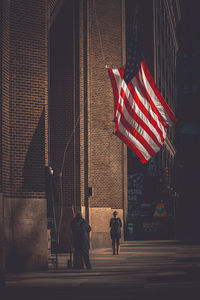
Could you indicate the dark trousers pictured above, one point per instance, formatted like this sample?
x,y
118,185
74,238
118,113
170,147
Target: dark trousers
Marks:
x,y
81,257
115,241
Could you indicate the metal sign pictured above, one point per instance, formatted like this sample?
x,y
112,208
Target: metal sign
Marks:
x,y
160,210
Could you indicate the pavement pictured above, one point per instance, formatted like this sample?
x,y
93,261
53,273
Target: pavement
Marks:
x,y
143,270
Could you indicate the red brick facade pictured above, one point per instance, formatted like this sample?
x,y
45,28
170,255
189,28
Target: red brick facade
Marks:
x,y
83,39
106,153
77,113
24,97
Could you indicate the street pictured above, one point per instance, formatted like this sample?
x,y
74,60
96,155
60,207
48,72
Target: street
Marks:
x,y
143,270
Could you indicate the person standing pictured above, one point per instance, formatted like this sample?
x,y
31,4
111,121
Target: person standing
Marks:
x,y
80,235
115,232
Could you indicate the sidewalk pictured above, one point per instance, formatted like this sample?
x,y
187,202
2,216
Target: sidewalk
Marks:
x,y
143,270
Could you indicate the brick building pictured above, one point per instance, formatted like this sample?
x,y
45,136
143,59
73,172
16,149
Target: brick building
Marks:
x,y
93,161
57,109
24,138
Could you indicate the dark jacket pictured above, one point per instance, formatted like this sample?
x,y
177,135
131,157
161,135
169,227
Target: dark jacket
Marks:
x,y
115,231
80,233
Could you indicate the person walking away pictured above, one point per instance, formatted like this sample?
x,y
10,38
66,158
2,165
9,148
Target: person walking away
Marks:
x,y
115,232
80,235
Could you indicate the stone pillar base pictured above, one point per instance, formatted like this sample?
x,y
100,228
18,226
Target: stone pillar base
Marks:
x,y
2,241
99,218
25,234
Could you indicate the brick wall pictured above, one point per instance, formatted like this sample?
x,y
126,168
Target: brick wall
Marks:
x,y
24,98
104,155
1,10
79,88
81,97
28,97
24,131
5,95
105,149
2,91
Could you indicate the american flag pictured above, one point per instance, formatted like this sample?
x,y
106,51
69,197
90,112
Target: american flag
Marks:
x,y
141,113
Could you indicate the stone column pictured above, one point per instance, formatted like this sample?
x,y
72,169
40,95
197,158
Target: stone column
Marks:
x,y
103,161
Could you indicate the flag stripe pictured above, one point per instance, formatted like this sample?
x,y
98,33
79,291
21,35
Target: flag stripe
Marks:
x,y
137,124
139,118
153,118
143,137
145,108
133,144
147,127
148,98
162,106
115,80
146,140
159,129
121,72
